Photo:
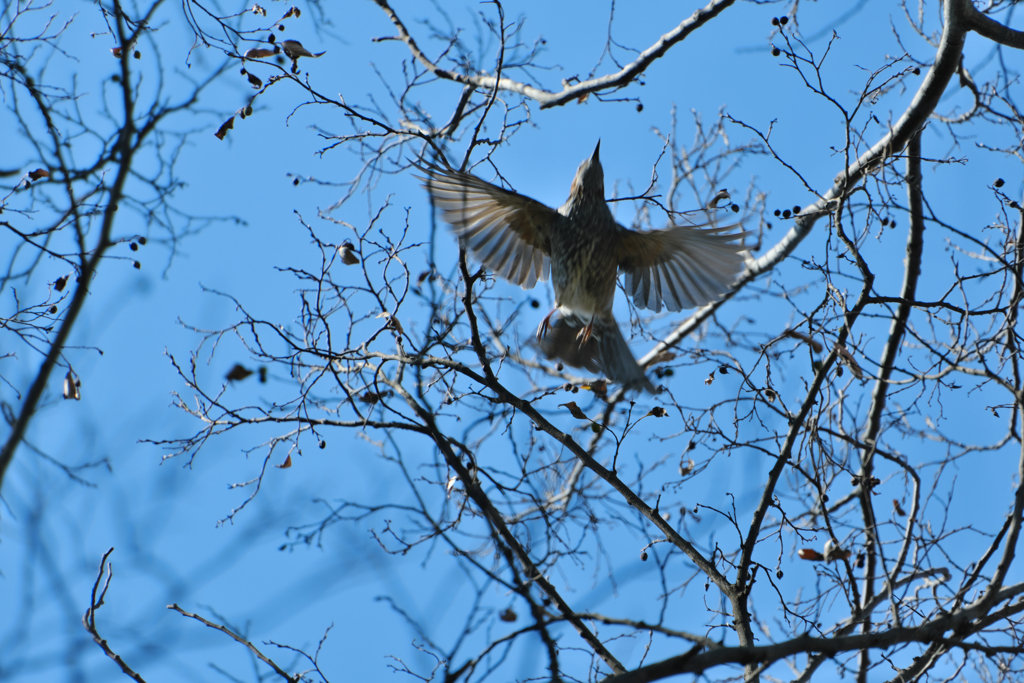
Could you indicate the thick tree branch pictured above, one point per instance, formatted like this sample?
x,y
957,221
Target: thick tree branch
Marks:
x,y
569,93
928,632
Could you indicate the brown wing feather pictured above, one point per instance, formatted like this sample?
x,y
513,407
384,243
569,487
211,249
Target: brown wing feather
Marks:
x,y
506,231
682,266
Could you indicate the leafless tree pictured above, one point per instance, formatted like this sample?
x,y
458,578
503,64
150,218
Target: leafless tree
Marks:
x,y
87,176
861,550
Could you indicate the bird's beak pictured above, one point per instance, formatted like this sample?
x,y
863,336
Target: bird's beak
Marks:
x,y
596,156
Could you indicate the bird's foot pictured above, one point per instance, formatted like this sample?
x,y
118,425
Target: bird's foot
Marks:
x,y
585,333
545,325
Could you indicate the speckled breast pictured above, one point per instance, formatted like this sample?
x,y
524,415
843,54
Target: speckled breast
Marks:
x,y
583,268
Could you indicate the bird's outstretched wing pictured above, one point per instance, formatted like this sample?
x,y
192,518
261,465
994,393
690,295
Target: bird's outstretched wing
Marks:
x,y
507,232
682,266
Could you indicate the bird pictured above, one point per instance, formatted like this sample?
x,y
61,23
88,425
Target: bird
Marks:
x,y
582,247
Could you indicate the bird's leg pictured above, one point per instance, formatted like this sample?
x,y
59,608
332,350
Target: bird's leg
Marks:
x,y
545,325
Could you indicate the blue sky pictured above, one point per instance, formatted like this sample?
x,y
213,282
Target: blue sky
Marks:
x,y
163,517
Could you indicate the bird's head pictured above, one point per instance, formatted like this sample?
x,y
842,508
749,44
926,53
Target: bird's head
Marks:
x,y
589,178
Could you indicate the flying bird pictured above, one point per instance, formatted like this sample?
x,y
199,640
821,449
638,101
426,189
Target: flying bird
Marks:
x,y
583,248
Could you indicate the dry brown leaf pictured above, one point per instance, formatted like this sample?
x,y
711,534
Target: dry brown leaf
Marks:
x,y
847,359
574,410
224,128
72,387
831,555
663,357
599,387
286,464
260,53
869,484
814,344
392,322
238,373
347,253
722,196
294,50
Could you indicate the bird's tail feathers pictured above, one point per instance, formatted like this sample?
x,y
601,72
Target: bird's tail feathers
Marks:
x,y
606,351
